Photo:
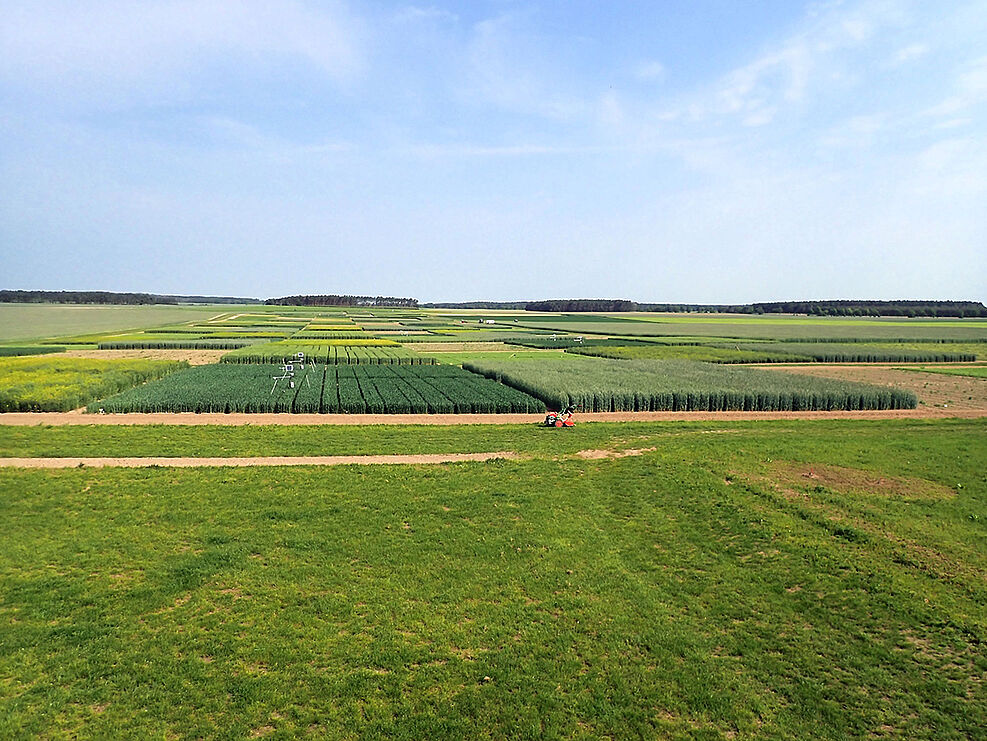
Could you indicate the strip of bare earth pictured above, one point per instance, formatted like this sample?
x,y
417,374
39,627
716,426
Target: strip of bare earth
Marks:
x,y
78,418
317,460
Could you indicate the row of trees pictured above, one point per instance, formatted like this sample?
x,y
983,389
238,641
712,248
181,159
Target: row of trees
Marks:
x,y
334,300
816,308
110,297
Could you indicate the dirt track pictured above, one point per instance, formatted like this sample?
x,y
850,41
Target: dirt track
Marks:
x,y
320,460
78,418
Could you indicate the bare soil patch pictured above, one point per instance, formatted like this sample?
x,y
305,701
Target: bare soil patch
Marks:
x,y
934,390
612,454
193,356
855,481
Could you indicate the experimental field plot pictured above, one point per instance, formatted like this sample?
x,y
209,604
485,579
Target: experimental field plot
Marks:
x,y
322,388
602,385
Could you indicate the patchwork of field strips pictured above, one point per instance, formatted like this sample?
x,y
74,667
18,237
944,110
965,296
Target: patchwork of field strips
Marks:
x,y
48,384
320,388
601,385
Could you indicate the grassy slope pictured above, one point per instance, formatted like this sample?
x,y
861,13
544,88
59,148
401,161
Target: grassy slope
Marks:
x,y
679,592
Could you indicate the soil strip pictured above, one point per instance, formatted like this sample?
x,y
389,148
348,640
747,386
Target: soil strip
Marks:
x,y
80,418
319,460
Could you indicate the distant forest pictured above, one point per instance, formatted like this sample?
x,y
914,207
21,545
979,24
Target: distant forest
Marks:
x,y
815,308
109,297
411,303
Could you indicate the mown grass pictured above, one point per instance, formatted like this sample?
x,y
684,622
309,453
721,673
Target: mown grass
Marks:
x,y
697,591
303,440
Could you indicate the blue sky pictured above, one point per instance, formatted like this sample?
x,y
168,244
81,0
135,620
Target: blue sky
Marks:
x,y
690,151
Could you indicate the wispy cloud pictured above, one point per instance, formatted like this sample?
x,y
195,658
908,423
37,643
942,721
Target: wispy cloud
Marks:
x,y
117,48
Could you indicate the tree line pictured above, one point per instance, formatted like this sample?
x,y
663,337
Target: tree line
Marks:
x,y
815,308
111,297
334,300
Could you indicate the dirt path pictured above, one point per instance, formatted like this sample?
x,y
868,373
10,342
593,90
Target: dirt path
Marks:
x,y
321,460
22,419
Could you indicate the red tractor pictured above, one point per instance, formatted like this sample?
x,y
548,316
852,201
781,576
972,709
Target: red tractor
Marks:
x,y
561,419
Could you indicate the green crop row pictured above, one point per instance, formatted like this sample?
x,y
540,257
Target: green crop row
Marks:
x,y
858,353
359,389
567,341
62,384
601,385
13,350
175,345
704,353
326,353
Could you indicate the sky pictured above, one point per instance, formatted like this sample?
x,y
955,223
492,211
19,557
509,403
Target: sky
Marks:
x,y
702,151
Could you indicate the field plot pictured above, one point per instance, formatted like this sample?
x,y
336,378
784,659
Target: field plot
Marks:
x,y
340,388
379,353
754,327
974,371
784,581
32,384
772,352
17,350
601,385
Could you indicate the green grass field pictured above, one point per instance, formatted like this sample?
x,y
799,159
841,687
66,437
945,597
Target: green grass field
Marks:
x,y
973,371
742,580
39,321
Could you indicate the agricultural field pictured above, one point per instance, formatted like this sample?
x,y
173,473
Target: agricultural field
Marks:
x,y
265,335
762,327
973,371
773,580
603,385
379,353
56,384
315,388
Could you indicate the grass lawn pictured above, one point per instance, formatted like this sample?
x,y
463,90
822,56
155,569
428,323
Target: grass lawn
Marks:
x,y
758,580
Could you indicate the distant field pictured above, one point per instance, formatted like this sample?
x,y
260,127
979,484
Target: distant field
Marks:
x,y
755,327
38,321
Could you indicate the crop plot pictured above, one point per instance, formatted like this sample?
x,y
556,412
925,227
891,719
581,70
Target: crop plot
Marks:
x,y
315,388
601,385
32,384
379,353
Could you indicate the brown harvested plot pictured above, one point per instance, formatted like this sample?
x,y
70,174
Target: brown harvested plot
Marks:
x,y
960,393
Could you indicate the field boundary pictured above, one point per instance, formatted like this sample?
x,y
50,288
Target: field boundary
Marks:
x,y
27,419
317,460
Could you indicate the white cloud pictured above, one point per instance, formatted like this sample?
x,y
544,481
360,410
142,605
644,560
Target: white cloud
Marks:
x,y
650,71
508,70
909,53
969,89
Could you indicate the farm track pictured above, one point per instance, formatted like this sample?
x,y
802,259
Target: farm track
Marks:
x,y
318,460
23,419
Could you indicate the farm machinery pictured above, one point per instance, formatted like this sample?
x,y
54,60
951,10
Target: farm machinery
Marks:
x,y
561,419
